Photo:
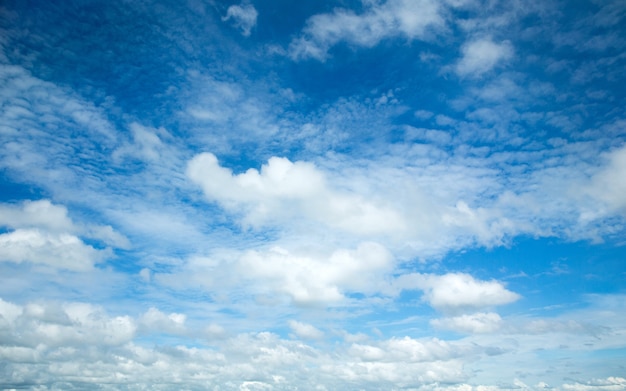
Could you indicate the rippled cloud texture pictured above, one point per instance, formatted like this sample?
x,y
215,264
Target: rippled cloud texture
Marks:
x,y
277,195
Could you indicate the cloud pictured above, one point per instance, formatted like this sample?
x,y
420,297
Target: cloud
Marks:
x,y
481,322
57,326
49,217
609,184
57,250
243,16
481,56
612,383
154,320
317,279
455,292
282,191
43,233
305,331
393,18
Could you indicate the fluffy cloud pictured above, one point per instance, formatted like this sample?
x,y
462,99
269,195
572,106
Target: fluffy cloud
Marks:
x,y
243,17
156,321
57,250
310,280
43,233
404,18
76,344
283,190
454,292
305,331
51,325
481,56
45,216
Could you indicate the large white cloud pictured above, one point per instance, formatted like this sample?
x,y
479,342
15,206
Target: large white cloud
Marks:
x,y
282,191
73,343
454,292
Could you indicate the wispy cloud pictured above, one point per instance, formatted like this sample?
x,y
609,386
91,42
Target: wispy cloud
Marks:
x,y
394,18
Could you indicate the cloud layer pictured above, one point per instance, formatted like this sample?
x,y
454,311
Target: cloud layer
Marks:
x,y
378,194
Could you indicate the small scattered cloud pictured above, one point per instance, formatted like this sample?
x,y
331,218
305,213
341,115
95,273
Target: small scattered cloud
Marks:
x,y
481,56
243,16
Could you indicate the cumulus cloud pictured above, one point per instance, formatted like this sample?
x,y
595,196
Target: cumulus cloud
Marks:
x,y
43,233
31,214
317,280
481,56
78,344
57,250
393,18
454,292
157,321
48,217
53,325
305,330
283,190
243,16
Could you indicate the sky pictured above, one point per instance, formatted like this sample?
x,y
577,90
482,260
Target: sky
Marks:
x,y
313,195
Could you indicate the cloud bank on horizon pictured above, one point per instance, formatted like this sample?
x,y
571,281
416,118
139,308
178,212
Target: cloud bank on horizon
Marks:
x,y
399,194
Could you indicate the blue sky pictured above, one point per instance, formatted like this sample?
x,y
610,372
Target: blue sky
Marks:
x,y
322,195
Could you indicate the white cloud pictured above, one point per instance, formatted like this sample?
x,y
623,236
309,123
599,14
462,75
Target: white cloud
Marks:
x,y
243,16
154,320
305,330
612,383
481,322
282,191
454,292
36,214
481,56
43,233
394,18
57,250
79,343
317,279
45,216
609,185
146,145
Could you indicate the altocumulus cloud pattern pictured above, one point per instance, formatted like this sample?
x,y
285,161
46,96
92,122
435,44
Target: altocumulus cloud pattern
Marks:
x,y
313,195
